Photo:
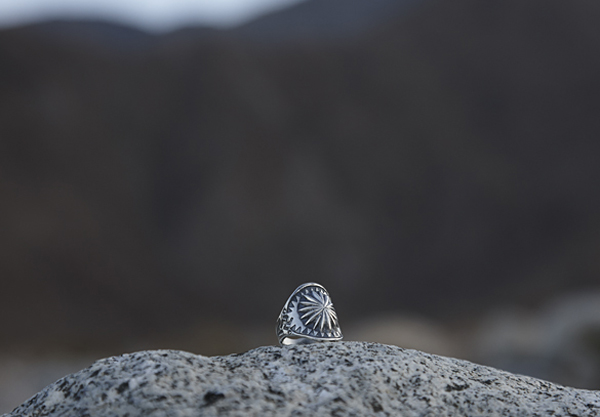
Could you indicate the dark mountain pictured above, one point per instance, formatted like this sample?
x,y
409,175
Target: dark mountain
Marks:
x,y
318,20
441,163
99,32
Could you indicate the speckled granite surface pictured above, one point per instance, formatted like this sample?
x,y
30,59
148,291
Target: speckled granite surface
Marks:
x,y
324,379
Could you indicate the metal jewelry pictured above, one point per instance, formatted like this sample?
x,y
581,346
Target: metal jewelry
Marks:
x,y
308,316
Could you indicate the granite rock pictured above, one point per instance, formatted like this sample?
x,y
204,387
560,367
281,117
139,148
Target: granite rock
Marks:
x,y
322,379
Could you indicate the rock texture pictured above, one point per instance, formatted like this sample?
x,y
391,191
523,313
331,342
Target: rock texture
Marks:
x,y
329,379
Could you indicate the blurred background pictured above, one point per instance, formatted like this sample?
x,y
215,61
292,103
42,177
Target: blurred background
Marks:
x,y
171,171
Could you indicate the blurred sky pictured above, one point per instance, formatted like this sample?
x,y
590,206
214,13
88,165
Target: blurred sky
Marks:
x,y
155,15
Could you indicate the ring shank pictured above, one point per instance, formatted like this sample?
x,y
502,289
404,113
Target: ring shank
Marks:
x,y
290,341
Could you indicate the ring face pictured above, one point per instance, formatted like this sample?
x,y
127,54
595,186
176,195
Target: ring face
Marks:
x,y
308,315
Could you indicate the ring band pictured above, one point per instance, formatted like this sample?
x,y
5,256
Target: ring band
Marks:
x,y
308,316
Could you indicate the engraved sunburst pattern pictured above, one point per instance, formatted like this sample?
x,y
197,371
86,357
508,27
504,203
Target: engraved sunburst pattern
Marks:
x,y
308,314
316,307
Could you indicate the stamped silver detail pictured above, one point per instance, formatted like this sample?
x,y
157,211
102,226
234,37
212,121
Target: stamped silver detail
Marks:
x,y
308,316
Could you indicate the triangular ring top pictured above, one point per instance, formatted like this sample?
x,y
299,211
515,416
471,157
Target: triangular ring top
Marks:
x,y
308,316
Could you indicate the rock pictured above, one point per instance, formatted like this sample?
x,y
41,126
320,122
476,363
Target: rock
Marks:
x,y
329,379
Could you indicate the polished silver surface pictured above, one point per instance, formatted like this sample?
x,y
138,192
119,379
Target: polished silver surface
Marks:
x,y
308,316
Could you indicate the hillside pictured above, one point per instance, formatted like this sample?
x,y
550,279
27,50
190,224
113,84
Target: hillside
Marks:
x,y
442,163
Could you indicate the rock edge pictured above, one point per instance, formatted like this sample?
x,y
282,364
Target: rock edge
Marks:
x,y
321,379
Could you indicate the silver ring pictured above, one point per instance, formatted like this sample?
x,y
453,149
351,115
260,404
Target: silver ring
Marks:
x,y
308,316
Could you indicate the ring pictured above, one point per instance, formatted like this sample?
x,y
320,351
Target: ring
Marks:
x,y
308,316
